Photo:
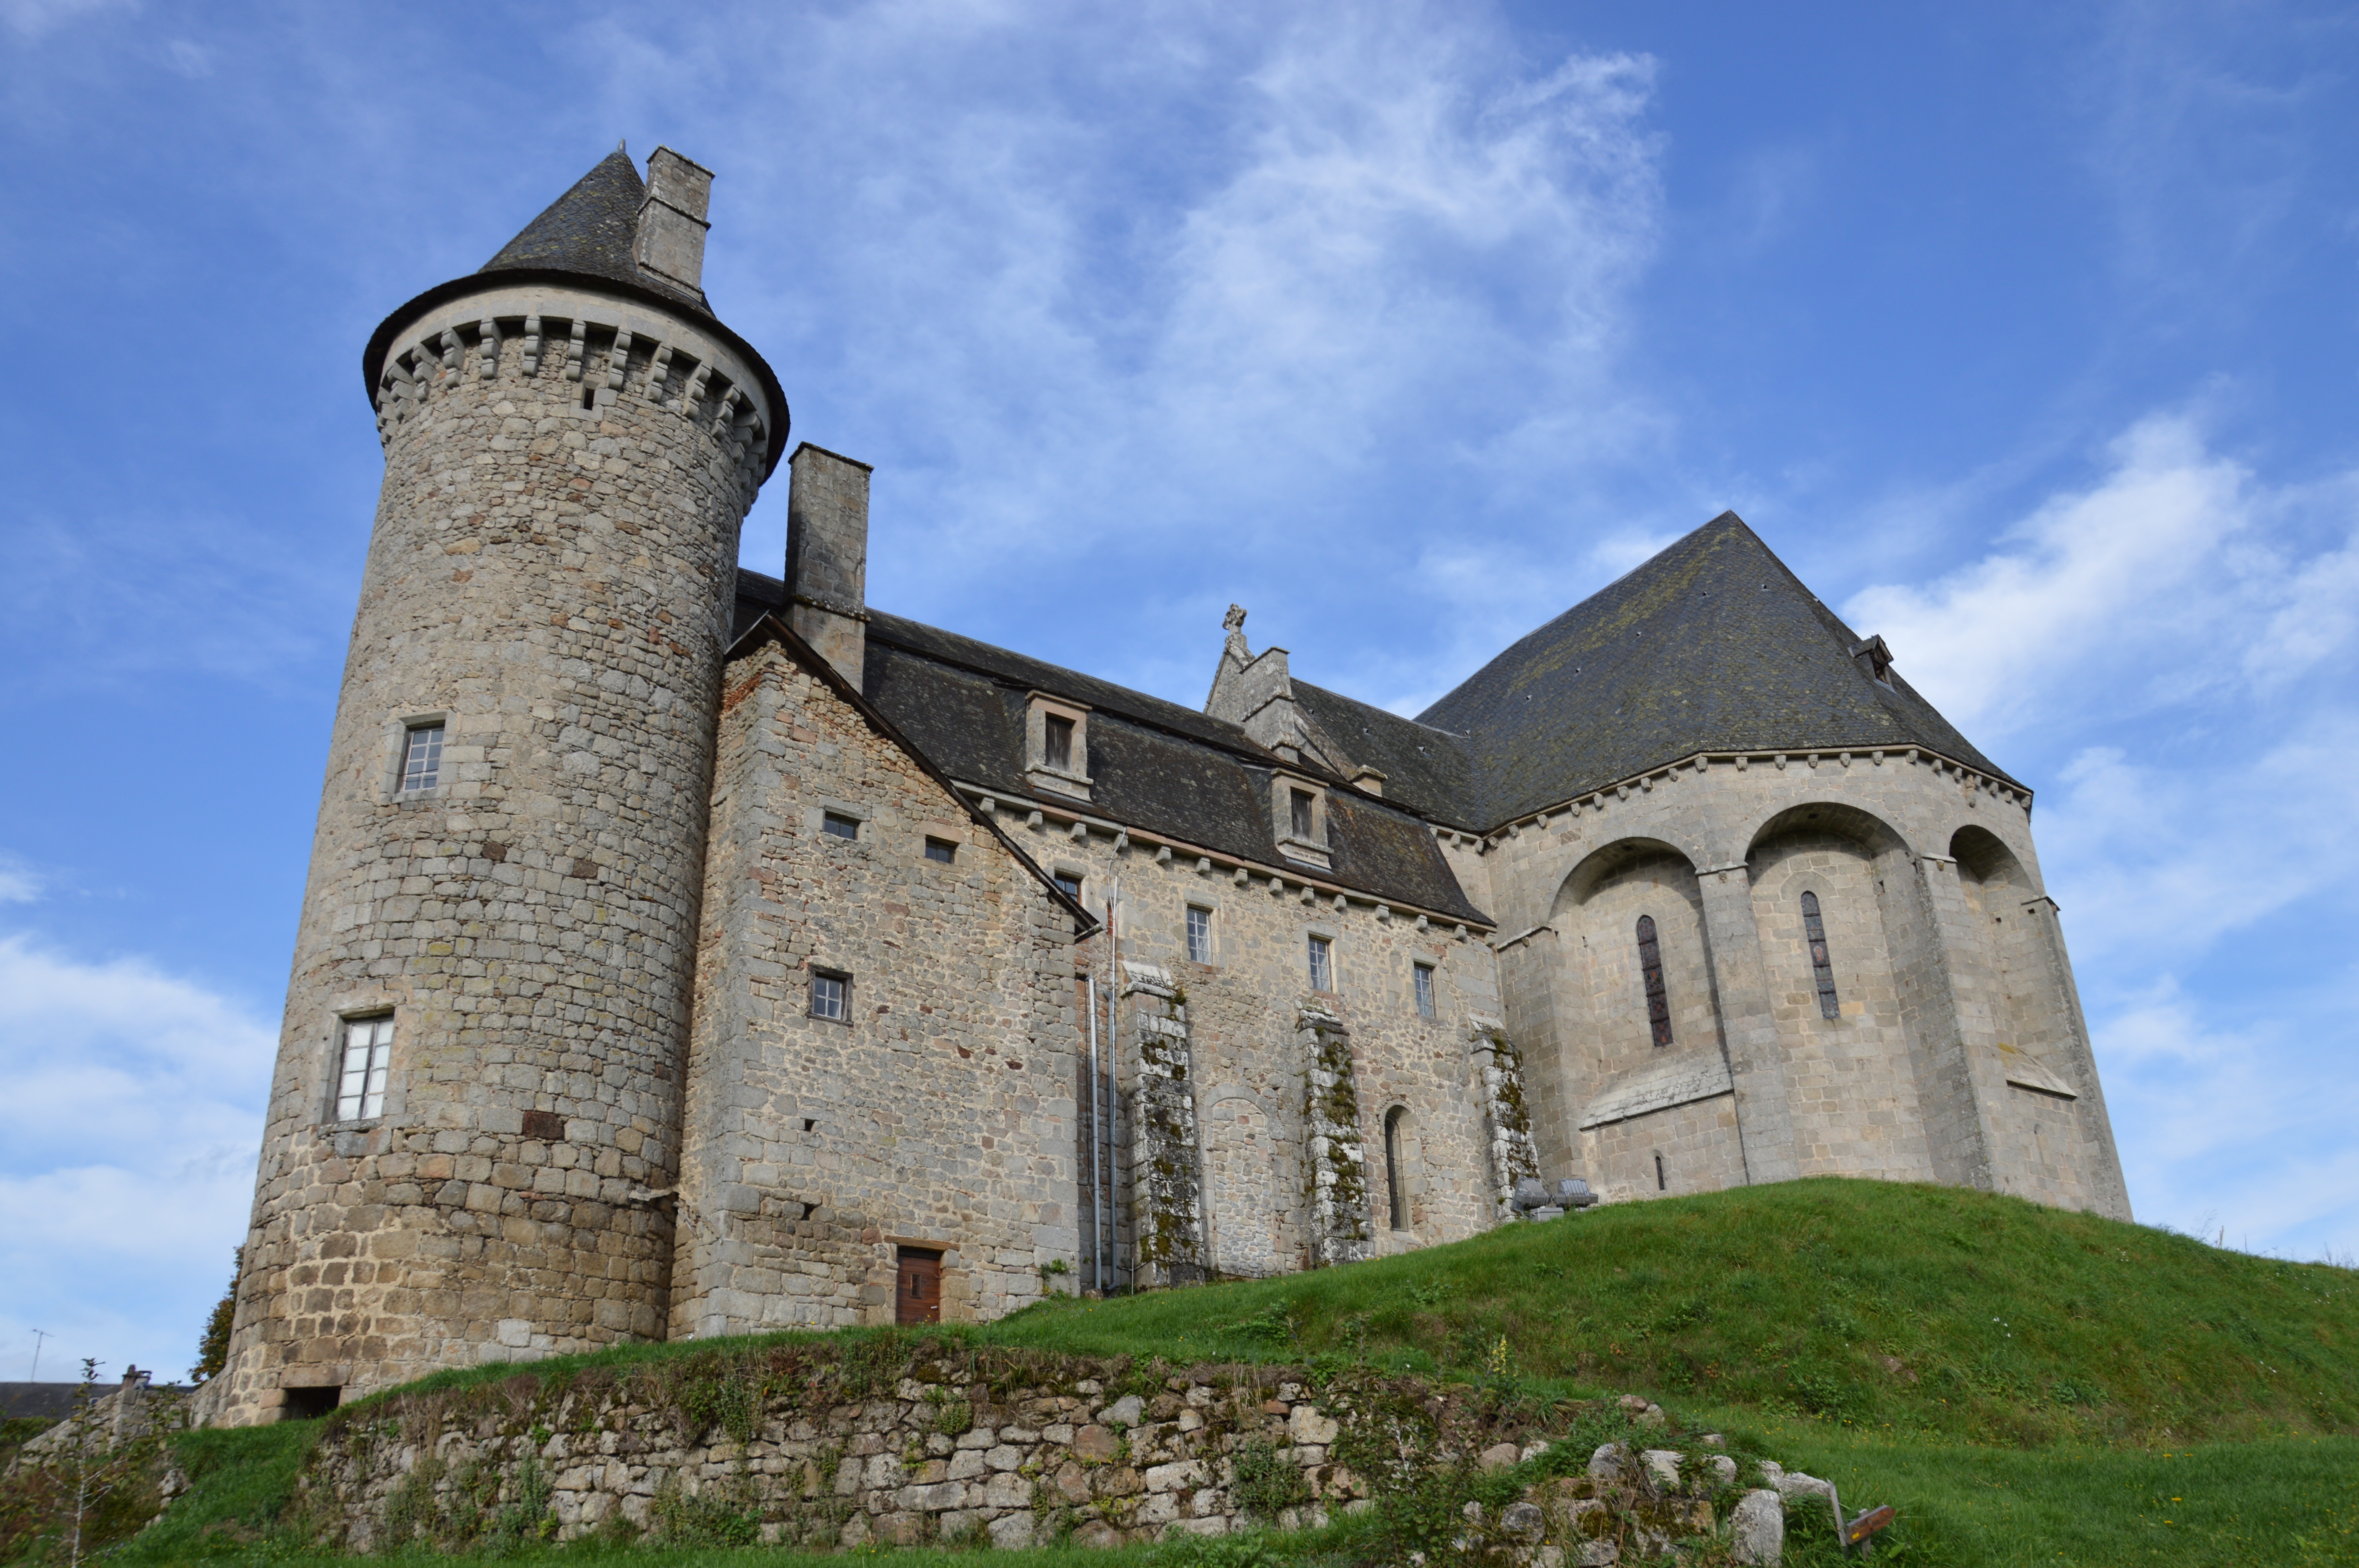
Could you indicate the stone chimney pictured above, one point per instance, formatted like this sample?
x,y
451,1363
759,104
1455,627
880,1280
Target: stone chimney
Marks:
x,y
671,240
827,555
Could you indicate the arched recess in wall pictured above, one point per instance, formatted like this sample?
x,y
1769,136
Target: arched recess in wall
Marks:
x,y
2011,943
1603,994
1404,1182
1619,1094
1850,1024
1244,1180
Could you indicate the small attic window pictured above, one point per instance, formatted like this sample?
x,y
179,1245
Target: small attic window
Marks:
x,y
1875,659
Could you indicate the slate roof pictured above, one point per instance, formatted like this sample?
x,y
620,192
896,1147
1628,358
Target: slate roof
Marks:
x,y
1712,646
1426,769
1155,766
589,233
593,228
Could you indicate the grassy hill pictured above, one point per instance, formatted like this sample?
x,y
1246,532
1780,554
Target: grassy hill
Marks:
x,y
1922,1309
2027,1386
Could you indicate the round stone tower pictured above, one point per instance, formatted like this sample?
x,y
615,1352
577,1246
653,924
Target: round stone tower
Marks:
x,y
474,1120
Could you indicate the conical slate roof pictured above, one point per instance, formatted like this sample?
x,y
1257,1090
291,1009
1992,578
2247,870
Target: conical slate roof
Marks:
x,y
590,229
1712,646
590,233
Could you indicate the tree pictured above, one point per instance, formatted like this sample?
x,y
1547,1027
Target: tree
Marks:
x,y
213,1349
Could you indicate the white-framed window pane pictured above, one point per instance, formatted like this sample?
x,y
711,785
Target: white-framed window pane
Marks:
x,y
1424,989
827,996
421,758
367,1061
1322,967
1199,934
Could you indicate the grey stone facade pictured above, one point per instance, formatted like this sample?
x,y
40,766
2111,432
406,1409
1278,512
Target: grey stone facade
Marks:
x,y
1347,977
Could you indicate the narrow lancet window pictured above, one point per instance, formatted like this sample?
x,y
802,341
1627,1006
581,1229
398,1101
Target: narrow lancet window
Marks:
x,y
1650,968
1395,1186
1821,970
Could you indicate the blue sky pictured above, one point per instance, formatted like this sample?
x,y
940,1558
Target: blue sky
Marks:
x,y
2025,333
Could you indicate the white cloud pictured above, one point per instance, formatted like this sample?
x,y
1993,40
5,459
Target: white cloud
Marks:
x,y
2186,627
2235,1129
19,884
128,1145
35,19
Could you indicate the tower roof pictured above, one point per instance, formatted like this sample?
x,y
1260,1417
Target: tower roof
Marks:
x,y
588,236
1710,645
590,229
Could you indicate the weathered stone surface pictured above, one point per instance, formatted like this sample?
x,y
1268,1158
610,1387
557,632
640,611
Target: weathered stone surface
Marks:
x,y
1757,1528
1306,1424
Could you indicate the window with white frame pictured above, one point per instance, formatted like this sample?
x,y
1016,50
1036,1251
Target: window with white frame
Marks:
x,y
835,823
1070,883
1322,964
941,849
831,995
421,758
1424,980
367,1058
1199,934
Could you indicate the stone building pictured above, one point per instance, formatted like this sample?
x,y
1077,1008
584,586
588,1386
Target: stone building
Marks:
x,y
688,951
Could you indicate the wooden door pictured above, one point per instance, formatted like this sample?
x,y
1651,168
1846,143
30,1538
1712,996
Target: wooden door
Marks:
x,y
918,1298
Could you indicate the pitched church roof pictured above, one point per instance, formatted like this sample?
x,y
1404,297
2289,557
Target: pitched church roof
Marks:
x,y
1712,646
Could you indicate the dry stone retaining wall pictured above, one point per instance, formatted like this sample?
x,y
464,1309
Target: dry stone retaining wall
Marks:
x,y
860,1445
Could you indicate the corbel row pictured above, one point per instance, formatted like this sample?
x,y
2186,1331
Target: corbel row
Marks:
x,y
440,361
1975,782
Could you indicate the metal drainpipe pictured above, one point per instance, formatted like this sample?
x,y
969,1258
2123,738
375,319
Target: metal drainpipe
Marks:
x,y
1097,1189
1113,1044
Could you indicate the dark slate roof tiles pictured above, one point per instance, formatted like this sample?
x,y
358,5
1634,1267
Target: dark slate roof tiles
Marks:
x,y
1712,646
1426,769
1155,766
593,228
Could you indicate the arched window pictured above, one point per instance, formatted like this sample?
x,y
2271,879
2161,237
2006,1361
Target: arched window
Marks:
x,y
1815,930
1395,1176
1650,966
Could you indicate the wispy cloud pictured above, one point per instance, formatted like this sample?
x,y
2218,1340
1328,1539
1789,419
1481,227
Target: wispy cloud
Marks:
x,y
2184,628
128,1145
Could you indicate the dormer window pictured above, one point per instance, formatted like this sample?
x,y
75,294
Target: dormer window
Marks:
x,y
1299,820
1875,659
1057,746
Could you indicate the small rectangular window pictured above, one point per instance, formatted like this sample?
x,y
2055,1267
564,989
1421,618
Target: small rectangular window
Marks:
x,y
368,1054
1200,936
1072,885
1303,801
421,758
1323,965
1424,973
829,996
1057,741
941,849
843,827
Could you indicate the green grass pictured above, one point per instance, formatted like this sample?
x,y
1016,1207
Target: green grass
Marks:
x,y
2027,1387
1919,1309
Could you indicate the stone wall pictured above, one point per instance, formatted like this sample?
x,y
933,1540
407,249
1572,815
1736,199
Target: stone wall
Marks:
x,y
878,1444
1943,997
1247,1062
939,1113
549,574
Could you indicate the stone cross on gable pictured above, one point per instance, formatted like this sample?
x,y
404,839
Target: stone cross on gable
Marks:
x,y
1234,623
